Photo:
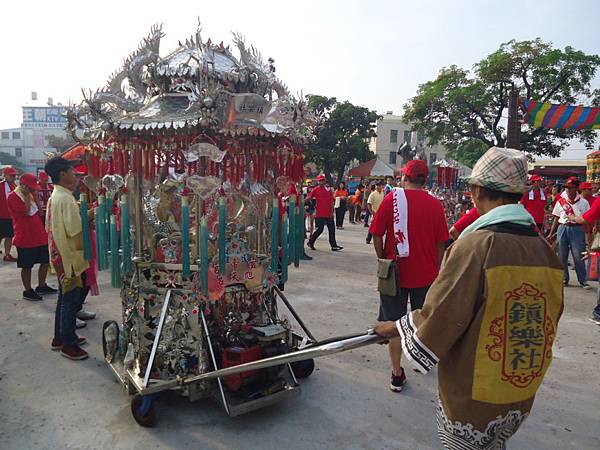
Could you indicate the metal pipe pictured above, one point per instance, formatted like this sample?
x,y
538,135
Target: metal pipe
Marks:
x,y
161,321
214,361
295,314
313,352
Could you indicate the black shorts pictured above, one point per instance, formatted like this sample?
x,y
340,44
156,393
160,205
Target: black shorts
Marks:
x,y
6,228
29,257
394,308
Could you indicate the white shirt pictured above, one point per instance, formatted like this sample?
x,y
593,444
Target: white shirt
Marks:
x,y
578,208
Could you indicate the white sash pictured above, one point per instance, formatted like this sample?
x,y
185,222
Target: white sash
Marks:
x,y
532,195
33,208
401,222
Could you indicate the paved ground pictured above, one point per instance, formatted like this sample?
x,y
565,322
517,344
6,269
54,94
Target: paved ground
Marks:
x,y
48,402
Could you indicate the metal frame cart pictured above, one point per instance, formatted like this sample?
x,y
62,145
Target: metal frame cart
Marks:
x,y
193,160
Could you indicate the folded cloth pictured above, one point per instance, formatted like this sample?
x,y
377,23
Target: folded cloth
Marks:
x,y
401,222
513,213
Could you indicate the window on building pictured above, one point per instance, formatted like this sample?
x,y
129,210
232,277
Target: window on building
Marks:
x,y
393,157
432,158
420,137
407,136
18,152
5,135
393,136
16,135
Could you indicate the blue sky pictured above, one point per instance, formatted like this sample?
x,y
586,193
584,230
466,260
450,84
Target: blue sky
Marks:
x,y
372,53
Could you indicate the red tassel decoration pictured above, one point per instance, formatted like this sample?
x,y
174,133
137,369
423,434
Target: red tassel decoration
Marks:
x,y
126,158
224,170
167,164
175,151
152,160
232,166
240,168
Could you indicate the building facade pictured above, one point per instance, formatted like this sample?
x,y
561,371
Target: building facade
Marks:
x,y
392,132
29,143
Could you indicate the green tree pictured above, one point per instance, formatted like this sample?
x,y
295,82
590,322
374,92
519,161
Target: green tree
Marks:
x,y
466,110
61,143
6,159
342,132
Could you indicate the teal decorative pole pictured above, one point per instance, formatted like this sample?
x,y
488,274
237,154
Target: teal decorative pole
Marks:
x,y
101,241
109,211
299,231
222,229
292,234
275,236
85,226
204,256
115,279
285,249
125,236
185,236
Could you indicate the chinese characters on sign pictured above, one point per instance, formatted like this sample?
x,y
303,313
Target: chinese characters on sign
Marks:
x,y
44,117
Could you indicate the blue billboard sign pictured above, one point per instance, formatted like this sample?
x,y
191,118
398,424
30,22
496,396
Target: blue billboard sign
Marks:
x,y
44,116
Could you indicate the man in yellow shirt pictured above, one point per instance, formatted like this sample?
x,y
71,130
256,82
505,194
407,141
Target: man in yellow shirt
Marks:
x,y
375,199
64,226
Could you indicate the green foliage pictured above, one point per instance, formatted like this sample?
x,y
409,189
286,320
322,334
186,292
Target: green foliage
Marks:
x,y
6,159
341,133
466,110
60,143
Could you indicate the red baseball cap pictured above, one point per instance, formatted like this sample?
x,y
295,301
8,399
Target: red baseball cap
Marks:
x,y
572,182
415,168
29,180
585,185
42,176
321,177
535,177
9,171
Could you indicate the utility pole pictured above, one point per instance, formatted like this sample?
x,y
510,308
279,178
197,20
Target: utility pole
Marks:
x,y
513,129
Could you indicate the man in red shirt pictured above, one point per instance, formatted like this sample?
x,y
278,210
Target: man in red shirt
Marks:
x,y
30,239
471,216
324,199
6,227
589,218
427,233
43,195
535,201
586,192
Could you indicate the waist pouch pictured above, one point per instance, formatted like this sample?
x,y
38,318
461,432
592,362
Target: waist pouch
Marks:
x,y
387,277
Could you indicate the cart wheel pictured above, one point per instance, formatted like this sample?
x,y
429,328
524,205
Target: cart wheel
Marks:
x,y
303,369
110,340
144,410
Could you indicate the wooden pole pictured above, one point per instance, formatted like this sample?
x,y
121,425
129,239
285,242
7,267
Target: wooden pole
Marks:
x,y
513,129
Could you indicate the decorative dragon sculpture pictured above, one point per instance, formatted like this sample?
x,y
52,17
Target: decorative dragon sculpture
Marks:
x,y
206,73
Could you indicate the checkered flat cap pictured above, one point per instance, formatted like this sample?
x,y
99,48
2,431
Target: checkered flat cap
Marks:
x,y
501,169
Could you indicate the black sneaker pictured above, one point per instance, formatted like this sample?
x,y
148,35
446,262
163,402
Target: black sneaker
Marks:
x,y
337,248
311,246
397,382
31,296
43,290
595,318
585,286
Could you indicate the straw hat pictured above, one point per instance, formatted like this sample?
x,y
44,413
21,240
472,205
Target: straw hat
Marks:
x,y
501,169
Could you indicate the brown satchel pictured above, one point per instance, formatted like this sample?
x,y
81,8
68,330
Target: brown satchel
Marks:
x,y
387,277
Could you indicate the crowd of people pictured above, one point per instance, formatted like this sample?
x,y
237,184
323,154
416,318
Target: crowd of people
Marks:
x,y
471,281
456,267
42,221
